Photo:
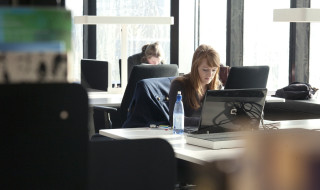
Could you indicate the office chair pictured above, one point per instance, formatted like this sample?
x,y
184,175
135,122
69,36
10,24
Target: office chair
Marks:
x,y
150,103
224,73
139,72
141,164
44,136
132,61
247,77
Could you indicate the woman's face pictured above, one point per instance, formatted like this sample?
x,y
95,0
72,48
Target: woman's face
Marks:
x,y
154,60
206,73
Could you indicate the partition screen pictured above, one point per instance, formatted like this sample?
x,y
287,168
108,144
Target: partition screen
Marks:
x,y
266,42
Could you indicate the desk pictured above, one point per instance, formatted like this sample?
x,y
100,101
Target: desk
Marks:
x,y
184,151
100,98
104,99
195,154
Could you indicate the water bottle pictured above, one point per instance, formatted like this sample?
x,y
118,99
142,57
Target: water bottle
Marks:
x,y
178,115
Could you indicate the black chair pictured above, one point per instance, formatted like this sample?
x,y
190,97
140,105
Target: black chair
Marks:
x,y
247,77
139,72
132,61
142,164
44,136
94,74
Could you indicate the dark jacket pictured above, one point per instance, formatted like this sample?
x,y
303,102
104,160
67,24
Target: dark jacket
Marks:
x,y
150,103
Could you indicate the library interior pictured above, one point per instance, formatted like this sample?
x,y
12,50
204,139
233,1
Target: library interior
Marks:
x,y
160,94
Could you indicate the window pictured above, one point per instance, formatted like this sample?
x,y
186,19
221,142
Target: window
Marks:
x,y
314,77
76,8
266,42
108,36
212,25
186,34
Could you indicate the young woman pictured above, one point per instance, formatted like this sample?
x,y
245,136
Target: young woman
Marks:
x,y
204,76
151,54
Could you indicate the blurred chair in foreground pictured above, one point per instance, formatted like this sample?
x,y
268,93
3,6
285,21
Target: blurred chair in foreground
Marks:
x,y
142,164
44,136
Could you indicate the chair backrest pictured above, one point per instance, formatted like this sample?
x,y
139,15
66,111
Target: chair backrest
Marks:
x,y
44,136
150,103
247,77
142,164
94,74
140,72
223,74
132,61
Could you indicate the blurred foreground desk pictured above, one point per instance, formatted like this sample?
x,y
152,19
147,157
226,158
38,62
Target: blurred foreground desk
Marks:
x,y
195,154
190,158
184,151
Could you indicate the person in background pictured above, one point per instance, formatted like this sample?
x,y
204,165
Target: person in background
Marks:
x,y
151,54
204,76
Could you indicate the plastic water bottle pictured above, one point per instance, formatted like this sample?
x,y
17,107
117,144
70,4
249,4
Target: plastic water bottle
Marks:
x,y
178,115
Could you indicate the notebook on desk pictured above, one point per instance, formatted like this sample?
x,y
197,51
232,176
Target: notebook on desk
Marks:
x,y
227,115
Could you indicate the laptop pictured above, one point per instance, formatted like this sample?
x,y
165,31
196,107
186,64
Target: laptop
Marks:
x,y
247,77
226,116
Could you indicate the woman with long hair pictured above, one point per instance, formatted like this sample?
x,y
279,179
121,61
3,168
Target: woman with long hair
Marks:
x,y
150,54
204,76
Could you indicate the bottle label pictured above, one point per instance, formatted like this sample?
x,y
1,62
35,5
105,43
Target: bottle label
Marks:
x,y
178,123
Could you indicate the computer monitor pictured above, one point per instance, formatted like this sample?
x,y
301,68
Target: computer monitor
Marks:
x,y
94,74
247,77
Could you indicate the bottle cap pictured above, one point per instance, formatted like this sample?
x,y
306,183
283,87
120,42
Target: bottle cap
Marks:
x,y
179,92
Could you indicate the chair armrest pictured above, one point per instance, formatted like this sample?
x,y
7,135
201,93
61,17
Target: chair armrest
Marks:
x,y
105,109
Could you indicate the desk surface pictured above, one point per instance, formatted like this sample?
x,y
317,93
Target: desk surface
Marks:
x,y
105,99
184,151
191,153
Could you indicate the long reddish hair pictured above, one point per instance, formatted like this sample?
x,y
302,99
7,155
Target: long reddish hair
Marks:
x,y
192,80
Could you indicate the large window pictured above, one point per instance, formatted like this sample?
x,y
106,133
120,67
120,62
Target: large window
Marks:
x,y
76,8
212,25
314,68
108,36
267,42
186,34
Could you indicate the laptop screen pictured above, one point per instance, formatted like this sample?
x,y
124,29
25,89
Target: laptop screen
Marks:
x,y
241,77
232,110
